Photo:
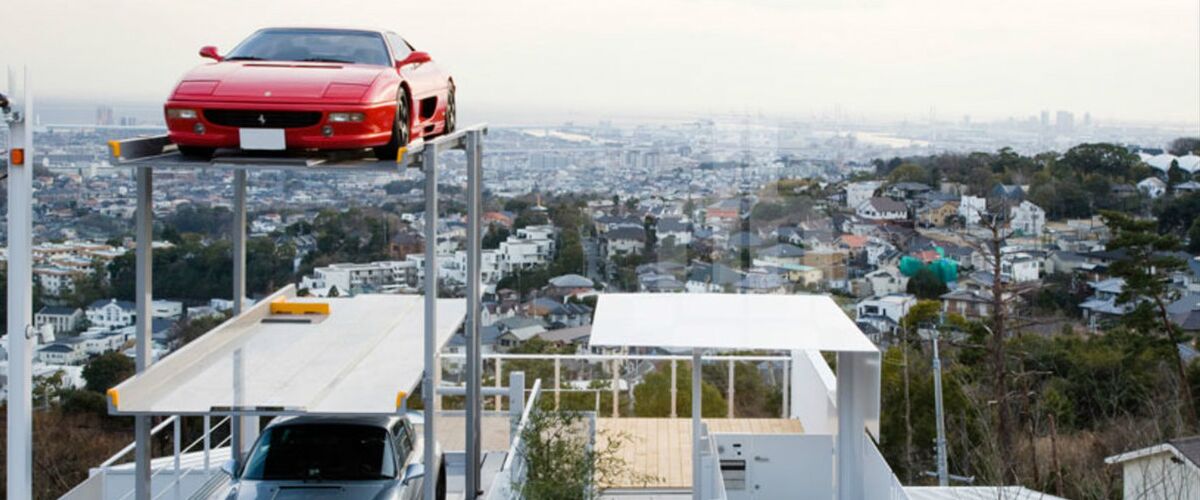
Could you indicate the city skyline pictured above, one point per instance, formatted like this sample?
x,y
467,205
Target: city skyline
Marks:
x,y
879,59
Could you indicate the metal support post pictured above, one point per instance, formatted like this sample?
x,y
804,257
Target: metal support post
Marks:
x,y
247,426
473,484
674,389
177,436
429,165
516,399
730,392
943,470
557,383
697,487
144,297
851,429
20,294
499,371
787,389
207,443
616,388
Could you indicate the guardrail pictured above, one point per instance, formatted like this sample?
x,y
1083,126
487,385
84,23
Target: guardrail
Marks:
x,y
96,486
612,383
513,469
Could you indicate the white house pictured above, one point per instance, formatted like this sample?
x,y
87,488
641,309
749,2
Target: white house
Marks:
x,y
166,309
1028,219
886,282
347,277
62,319
111,313
882,209
971,208
675,228
624,241
530,246
1170,470
62,353
1152,187
859,192
885,313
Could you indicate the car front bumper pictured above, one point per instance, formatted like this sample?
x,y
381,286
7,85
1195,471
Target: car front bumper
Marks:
x,y
374,130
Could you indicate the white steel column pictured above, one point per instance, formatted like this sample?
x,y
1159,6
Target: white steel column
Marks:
x,y
429,165
246,428
674,389
20,295
851,426
474,458
697,485
143,298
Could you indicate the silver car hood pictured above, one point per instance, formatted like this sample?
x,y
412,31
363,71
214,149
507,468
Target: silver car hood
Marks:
x,y
322,490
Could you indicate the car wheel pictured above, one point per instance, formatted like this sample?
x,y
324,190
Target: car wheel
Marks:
x,y
401,129
196,152
441,482
451,117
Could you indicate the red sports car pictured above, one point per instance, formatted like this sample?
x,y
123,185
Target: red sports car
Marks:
x,y
311,88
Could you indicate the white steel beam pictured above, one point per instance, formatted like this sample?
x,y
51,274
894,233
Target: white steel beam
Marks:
x,y
431,291
697,484
143,290
245,428
20,294
474,150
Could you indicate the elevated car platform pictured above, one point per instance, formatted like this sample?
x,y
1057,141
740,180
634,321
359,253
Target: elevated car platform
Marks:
x,y
159,153
291,355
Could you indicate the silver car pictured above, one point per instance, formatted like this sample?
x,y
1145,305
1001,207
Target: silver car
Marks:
x,y
378,458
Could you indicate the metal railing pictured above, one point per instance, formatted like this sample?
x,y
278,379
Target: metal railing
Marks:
x,y
612,383
512,470
178,472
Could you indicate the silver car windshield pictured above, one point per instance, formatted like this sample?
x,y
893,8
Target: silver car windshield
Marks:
x,y
322,452
310,45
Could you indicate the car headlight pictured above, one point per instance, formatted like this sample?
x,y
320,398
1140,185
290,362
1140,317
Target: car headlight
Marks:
x,y
181,114
346,117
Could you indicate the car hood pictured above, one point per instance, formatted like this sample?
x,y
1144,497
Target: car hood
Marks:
x,y
278,81
329,490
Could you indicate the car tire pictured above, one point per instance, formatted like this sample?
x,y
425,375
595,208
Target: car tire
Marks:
x,y
401,129
197,152
451,116
440,493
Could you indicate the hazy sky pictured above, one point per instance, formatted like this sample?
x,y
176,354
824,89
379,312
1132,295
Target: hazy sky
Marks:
x,y
1118,59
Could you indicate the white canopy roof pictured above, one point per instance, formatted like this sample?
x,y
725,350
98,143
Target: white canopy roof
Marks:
x,y
726,321
357,360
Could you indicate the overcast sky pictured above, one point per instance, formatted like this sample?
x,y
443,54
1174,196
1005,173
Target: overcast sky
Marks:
x,y
1119,59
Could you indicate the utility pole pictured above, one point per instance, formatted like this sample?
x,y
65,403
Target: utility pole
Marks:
x,y
943,472
18,115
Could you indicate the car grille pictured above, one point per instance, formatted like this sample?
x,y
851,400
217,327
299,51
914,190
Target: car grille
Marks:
x,y
262,119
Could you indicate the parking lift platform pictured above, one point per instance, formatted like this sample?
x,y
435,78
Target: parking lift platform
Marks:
x,y
291,355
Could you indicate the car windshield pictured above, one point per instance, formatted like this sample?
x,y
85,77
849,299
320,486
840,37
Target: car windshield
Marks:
x,y
320,452
337,46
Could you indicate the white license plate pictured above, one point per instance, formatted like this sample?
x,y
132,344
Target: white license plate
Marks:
x,y
271,139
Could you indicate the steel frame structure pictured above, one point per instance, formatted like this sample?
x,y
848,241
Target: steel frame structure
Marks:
x,y
20,288
147,154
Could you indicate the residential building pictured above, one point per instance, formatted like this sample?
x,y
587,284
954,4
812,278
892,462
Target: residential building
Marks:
x,y
111,313
1169,470
1028,219
1102,306
62,319
885,312
1152,187
624,241
859,192
882,209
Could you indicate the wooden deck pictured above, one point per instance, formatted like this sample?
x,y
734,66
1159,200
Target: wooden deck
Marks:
x,y
657,452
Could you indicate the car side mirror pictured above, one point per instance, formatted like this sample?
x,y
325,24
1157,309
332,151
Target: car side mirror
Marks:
x,y
210,52
229,468
413,472
416,57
